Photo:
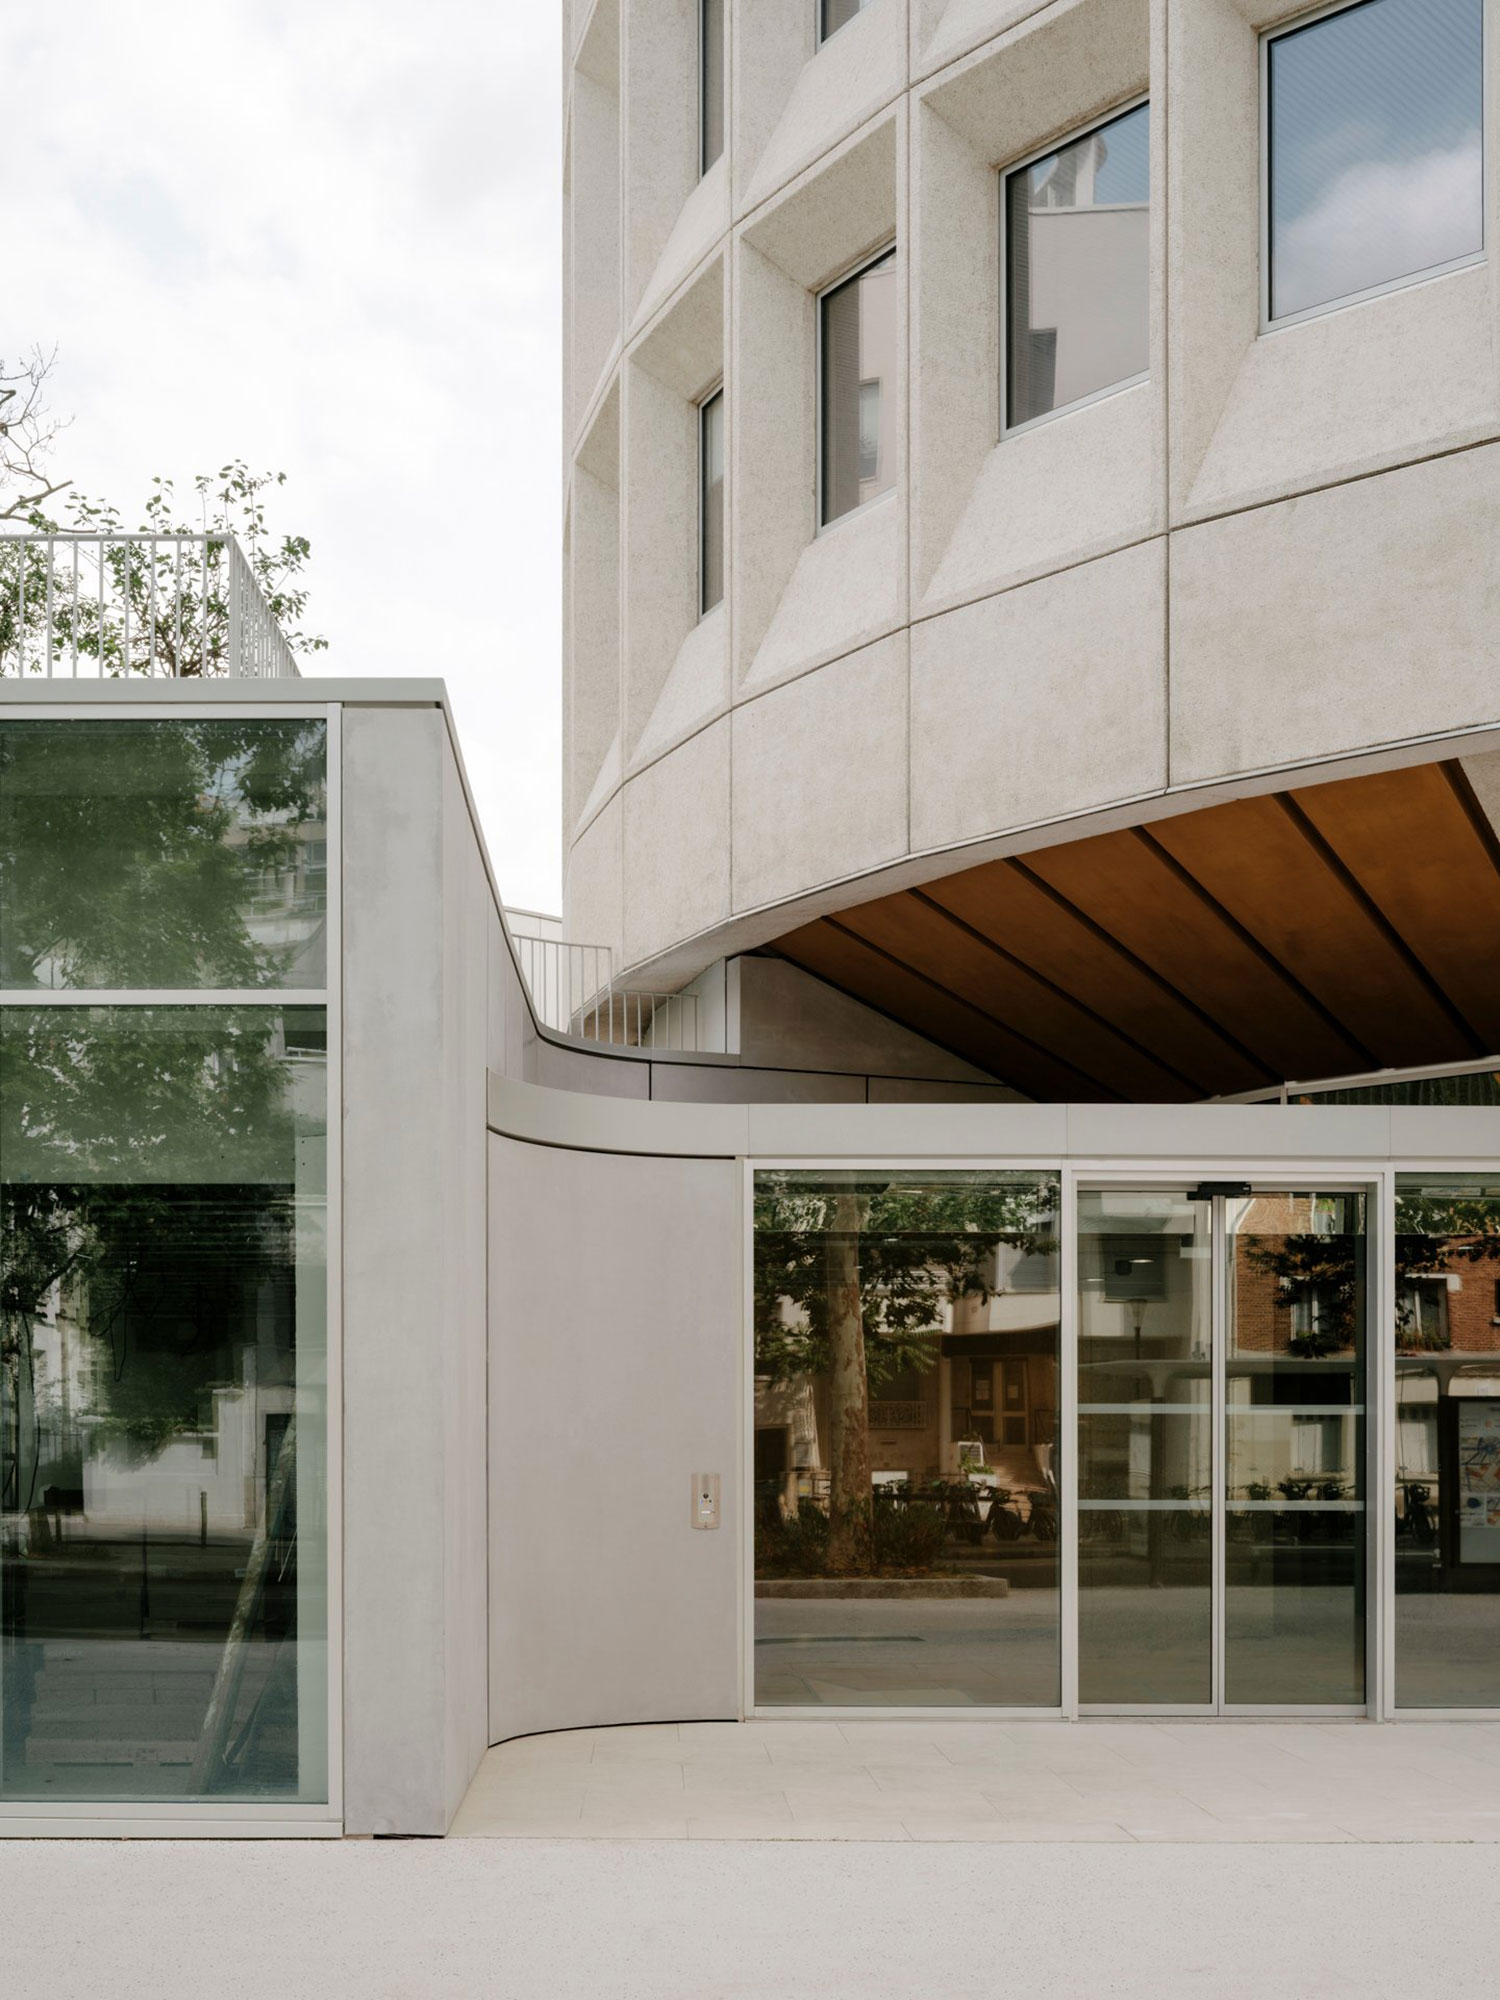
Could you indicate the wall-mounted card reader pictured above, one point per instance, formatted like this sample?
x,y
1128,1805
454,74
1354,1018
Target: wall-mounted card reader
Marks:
x,y
705,1499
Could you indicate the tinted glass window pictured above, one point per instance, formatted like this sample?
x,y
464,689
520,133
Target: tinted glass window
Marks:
x,y
1376,152
163,854
859,389
1077,269
163,1403
711,81
1446,1503
906,1510
711,448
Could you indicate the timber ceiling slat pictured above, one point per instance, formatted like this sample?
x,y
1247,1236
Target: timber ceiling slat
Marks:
x,y
923,936
922,1003
1131,890
1256,860
1410,840
1001,900
1312,933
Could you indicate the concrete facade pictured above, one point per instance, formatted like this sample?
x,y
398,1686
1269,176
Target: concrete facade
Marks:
x,y
1030,631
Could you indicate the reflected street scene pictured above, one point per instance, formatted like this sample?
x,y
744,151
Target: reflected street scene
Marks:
x,y
163,1403
906,1425
1447,1498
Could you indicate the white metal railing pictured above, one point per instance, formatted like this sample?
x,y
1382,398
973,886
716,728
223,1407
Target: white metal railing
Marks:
x,y
573,992
1469,1082
107,606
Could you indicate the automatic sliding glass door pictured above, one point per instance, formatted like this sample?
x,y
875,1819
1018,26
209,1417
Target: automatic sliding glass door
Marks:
x,y
1221,1448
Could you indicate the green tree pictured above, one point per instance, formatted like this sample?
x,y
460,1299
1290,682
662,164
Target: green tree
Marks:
x,y
852,1273
132,607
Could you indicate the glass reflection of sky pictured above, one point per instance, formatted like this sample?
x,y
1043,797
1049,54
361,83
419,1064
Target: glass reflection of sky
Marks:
x,y
1375,135
1124,175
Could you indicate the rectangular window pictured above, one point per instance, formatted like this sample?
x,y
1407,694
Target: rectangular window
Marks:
x,y
711,502
163,1404
858,388
905,1429
1374,125
1447,1495
1077,269
836,14
710,83
163,855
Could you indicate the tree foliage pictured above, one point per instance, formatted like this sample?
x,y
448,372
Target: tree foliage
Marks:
x,y
922,1246
129,608
131,853
853,1272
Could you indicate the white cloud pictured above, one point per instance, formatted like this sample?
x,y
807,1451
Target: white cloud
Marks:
x,y
1380,221
324,237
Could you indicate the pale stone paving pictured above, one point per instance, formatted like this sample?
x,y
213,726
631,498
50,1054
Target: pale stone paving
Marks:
x,y
995,1781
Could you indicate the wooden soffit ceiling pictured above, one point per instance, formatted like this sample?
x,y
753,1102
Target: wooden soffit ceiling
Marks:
x,y
1332,929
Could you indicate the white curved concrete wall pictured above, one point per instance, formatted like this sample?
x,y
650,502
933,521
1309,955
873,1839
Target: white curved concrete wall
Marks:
x,y
1274,551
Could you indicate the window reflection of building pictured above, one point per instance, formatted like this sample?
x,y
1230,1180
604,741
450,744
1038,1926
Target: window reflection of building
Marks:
x,y
1447,1496
1078,270
961,1435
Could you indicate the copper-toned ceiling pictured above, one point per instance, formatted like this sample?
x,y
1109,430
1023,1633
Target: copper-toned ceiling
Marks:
x,y
1336,928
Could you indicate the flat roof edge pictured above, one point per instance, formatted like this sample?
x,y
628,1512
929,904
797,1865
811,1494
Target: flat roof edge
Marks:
x,y
308,690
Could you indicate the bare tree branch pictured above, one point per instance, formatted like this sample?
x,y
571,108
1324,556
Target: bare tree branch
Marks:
x,y
29,430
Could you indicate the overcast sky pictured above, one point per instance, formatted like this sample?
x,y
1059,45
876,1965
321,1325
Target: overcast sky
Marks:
x,y
323,237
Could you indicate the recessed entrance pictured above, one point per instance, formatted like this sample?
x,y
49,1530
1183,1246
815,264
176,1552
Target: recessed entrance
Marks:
x,y
1222,1525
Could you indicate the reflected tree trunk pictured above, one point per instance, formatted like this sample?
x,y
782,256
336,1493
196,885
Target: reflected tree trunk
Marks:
x,y
209,1759
851,1527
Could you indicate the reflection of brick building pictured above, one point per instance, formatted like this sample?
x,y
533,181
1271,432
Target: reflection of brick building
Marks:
x,y
1299,1275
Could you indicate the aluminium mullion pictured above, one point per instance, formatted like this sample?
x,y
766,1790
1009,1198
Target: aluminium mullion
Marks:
x,y
745,1487
1381,1453
1067,1488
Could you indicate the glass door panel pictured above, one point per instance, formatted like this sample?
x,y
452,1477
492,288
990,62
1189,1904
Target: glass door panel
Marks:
x,y
1145,1450
1221,1448
1294,1450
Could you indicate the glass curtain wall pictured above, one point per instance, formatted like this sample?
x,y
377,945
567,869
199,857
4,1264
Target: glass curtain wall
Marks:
x,y
1221,1453
906,1425
164,1397
1145,1449
858,388
1294,1442
1447,1484
1078,269
1375,122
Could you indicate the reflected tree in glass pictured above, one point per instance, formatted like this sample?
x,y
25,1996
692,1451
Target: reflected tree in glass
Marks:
x,y
161,1316
162,854
1447,1421
852,1275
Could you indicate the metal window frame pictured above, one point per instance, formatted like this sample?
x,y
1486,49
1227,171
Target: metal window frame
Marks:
x,y
1283,31
186,1818
1003,177
702,407
1374,1176
851,275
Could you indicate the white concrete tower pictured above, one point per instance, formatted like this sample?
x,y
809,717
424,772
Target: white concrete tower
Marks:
x,y
1148,494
